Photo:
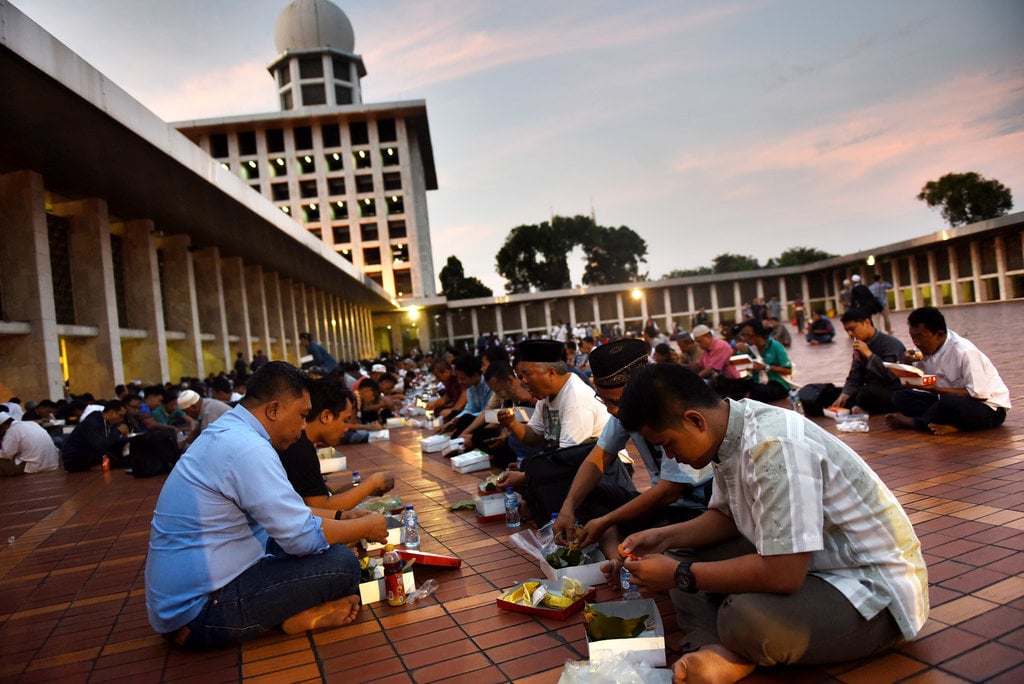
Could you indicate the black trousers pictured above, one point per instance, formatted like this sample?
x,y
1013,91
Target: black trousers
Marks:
x,y
963,413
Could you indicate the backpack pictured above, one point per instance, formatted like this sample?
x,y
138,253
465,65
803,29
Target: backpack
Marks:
x,y
549,476
153,453
817,397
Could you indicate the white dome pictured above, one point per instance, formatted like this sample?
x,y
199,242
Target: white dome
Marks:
x,y
313,24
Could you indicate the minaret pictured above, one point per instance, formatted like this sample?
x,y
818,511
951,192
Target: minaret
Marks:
x,y
316,63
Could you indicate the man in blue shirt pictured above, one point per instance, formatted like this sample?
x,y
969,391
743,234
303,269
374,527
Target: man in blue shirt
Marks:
x,y
209,580
321,357
469,373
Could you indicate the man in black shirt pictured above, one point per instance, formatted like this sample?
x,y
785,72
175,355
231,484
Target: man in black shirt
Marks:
x,y
331,413
100,435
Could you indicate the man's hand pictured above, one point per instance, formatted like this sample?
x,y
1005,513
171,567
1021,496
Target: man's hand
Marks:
x,y
610,570
376,529
355,514
467,441
123,429
840,402
506,417
381,482
564,528
592,531
645,542
655,572
862,348
512,478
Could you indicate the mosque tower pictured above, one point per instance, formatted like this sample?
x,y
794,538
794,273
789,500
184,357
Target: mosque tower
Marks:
x,y
316,63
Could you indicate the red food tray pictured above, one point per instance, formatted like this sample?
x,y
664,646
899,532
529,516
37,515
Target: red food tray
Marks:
x,y
541,611
499,517
424,558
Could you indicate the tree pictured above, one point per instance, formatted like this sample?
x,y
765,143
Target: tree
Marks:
x,y
967,197
731,263
613,255
455,284
535,257
797,256
685,272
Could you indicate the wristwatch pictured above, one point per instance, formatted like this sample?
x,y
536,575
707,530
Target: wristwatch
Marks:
x,y
685,581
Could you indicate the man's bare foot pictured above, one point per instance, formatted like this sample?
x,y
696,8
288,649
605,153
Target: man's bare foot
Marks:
x,y
898,421
857,410
330,614
713,664
942,429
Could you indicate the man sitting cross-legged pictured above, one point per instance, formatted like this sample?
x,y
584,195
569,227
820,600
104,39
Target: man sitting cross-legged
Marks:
x,y
805,555
968,393
209,580
869,384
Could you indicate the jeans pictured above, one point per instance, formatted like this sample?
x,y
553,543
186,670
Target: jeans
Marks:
x,y
271,591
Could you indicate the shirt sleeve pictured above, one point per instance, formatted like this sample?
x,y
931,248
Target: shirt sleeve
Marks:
x,y
785,490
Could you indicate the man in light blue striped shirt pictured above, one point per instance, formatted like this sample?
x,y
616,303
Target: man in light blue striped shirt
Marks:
x,y
814,556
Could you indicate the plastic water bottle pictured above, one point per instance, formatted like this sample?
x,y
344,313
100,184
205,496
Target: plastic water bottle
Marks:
x,y
512,520
794,399
629,590
410,529
356,479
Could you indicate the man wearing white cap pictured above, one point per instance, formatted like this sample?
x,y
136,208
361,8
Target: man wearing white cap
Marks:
x,y
200,409
25,447
715,357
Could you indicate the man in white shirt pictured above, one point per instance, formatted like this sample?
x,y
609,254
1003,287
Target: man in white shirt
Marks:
x,y
25,447
968,393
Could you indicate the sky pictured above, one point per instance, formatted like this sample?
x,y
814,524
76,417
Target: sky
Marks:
x,y
740,126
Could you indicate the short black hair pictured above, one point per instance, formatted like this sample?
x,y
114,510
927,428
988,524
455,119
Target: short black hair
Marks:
x,y
221,384
274,380
470,365
928,316
370,384
113,405
502,372
855,315
755,326
495,353
663,349
329,394
304,336
657,395
152,390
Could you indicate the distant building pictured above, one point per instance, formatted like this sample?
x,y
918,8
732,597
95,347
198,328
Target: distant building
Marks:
x,y
355,175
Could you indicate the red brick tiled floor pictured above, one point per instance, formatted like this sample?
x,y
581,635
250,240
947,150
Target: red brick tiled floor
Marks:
x,y
71,584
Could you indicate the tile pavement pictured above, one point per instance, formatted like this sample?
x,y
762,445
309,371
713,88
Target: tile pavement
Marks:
x,y
71,583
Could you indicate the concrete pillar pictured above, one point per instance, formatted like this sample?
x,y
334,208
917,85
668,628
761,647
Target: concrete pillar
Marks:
x,y
448,325
1005,285
954,274
975,272
32,356
522,321
548,323
184,356
932,280
667,298
475,324
289,322
95,363
212,310
915,290
737,299
277,345
256,297
620,312
236,305
595,305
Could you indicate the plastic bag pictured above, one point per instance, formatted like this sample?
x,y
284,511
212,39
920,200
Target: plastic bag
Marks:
x,y
422,591
854,422
616,669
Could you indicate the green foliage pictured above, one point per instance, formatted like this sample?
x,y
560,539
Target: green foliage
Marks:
x,y
797,256
455,284
535,257
731,263
967,197
685,272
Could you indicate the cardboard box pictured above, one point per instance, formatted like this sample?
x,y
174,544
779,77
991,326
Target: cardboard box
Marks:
x,y
379,436
589,574
543,611
471,462
522,414
836,414
432,559
911,375
372,592
648,647
333,465
434,443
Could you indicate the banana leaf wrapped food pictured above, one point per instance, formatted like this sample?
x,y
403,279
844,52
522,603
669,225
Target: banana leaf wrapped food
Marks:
x,y
600,626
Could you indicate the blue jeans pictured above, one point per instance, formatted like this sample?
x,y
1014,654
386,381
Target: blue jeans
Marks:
x,y
270,592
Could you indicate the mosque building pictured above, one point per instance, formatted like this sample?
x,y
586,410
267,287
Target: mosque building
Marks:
x,y
354,174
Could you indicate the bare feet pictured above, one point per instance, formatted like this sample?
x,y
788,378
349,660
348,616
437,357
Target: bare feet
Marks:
x,y
857,410
942,429
331,614
712,664
898,421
